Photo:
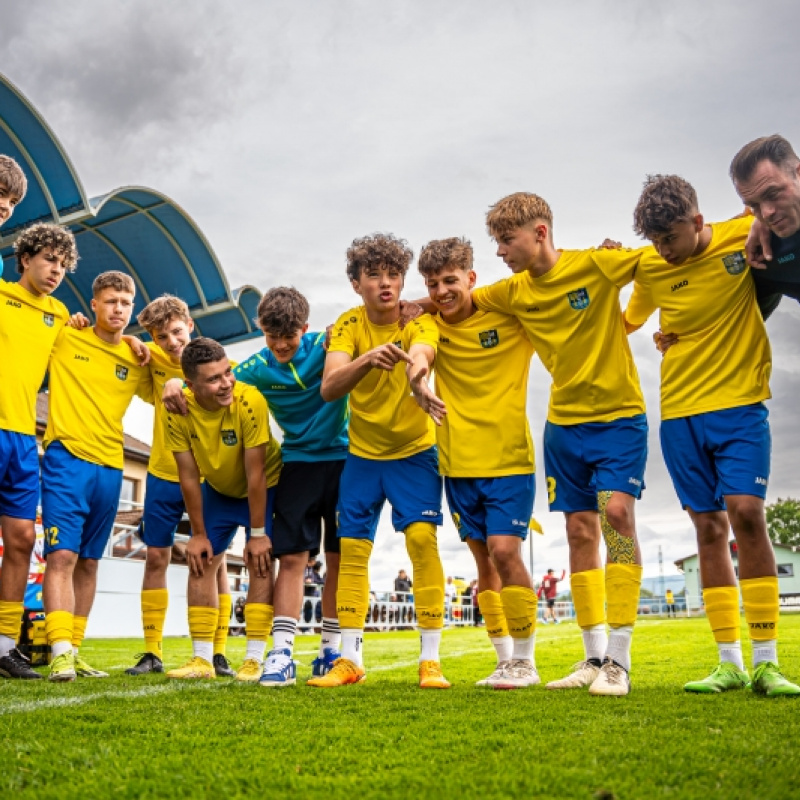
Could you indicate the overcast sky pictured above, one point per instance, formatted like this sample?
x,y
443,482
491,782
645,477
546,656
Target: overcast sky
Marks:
x,y
286,129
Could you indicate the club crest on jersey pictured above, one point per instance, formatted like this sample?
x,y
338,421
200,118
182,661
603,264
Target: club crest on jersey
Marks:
x,y
489,338
229,437
579,299
734,263
122,372
48,320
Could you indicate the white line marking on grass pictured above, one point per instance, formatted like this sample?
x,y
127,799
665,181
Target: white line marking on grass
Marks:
x,y
77,700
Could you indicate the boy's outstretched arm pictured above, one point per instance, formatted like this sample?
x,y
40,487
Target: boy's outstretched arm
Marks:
x,y
418,372
343,373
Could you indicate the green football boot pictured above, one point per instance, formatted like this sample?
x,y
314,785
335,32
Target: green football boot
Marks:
x,y
725,678
767,680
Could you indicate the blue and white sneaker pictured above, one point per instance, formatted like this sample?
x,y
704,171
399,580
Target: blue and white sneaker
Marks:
x,y
323,664
279,669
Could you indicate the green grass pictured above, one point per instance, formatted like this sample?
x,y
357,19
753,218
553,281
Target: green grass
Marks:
x,y
149,737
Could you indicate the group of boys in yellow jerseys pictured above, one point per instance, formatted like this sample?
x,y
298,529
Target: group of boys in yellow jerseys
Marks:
x,y
214,456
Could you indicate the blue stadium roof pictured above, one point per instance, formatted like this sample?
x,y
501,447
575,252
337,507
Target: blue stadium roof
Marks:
x,y
132,229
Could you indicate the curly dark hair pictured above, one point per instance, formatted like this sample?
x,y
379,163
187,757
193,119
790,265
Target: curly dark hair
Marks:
x,y
282,311
379,250
441,253
199,351
665,200
35,238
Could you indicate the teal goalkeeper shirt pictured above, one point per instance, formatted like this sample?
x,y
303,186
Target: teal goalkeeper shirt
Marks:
x,y
313,430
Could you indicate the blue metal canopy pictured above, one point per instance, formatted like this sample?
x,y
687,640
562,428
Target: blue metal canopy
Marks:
x,y
132,229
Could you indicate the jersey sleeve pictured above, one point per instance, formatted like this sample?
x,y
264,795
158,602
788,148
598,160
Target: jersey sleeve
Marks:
x,y
176,433
641,305
619,266
249,371
494,297
343,337
423,330
255,419
145,389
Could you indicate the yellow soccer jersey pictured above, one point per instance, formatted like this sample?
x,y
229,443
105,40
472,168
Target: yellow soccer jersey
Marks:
x,y
162,462
29,326
573,317
219,438
722,358
91,386
385,420
481,374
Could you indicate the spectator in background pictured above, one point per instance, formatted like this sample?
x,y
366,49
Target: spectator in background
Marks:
x,y
669,597
476,611
549,589
402,585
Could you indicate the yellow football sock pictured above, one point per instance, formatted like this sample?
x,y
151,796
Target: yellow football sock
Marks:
x,y
352,595
623,582
519,606
58,627
154,612
761,607
11,619
78,630
589,597
202,623
428,575
258,620
491,607
223,621
722,612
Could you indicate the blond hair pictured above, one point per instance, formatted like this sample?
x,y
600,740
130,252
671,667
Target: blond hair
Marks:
x,y
157,314
515,211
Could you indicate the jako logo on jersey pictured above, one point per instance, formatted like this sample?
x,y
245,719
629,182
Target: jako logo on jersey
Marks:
x,y
489,338
531,309
121,372
635,481
734,263
444,340
277,386
519,523
679,285
228,437
430,513
579,299
79,357
784,259
13,303
761,481
48,320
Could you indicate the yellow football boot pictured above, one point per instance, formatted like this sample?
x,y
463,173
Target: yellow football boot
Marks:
x,y
344,671
430,676
195,668
250,671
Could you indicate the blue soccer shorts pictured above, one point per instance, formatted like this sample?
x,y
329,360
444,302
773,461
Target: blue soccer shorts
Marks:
x,y
223,516
19,475
483,507
412,486
582,460
163,510
718,453
79,502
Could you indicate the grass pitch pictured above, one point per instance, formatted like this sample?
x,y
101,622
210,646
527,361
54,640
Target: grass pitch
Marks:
x,y
149,737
